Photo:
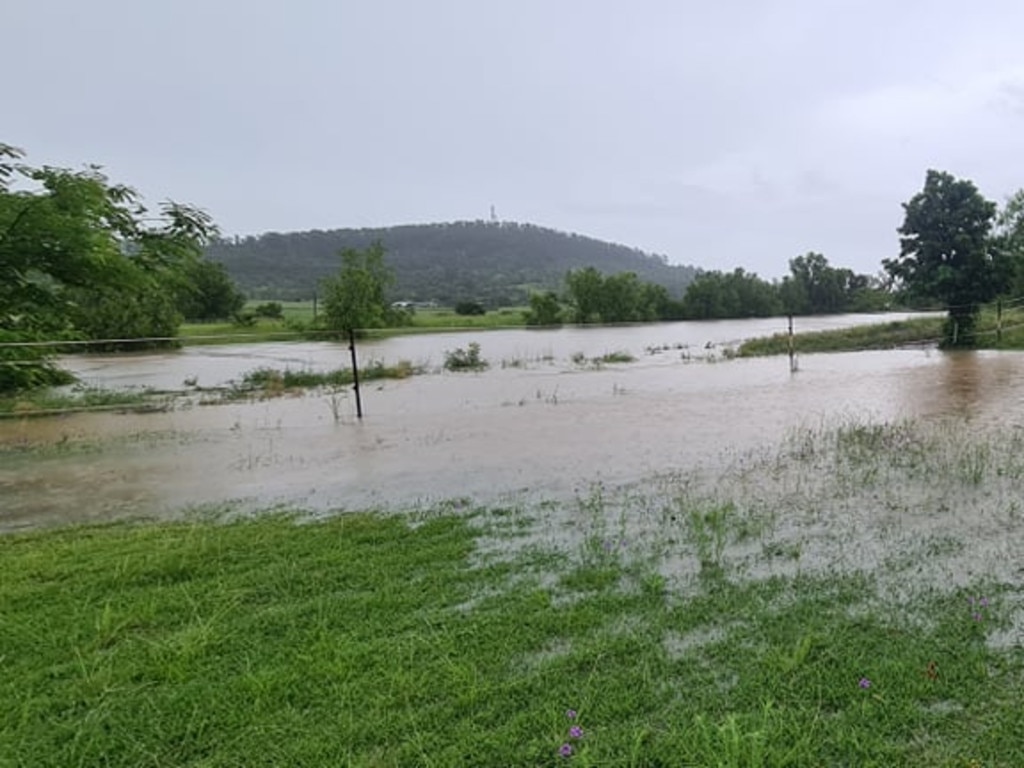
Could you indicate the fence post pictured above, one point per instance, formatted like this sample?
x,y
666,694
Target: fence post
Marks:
x,y
999,321
792,349
355,372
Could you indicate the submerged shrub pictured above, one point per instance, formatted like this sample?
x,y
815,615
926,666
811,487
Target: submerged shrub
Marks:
x,y
469,359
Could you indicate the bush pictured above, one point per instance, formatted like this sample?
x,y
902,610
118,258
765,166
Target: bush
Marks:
x,y
470,308
465,359
272,310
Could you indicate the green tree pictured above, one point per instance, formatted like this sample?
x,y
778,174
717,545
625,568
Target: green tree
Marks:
x,y
354,299
545,309
66,235
715,295
1008,244
204,291
585,287
946,254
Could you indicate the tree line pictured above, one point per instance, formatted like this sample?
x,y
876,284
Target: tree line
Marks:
x,y
812,287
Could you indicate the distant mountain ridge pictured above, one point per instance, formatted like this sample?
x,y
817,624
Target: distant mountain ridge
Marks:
x,y
496,263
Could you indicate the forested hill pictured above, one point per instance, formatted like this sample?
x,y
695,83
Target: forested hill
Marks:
x,y
494,263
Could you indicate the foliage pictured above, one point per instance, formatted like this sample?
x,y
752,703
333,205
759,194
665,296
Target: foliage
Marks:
x,y
271,310
816,288
25,367
1007,244
497,264
72,244
468,359
619,298
354,298
946,254
545,309
145,317
714,295
204,291
270,382
467,308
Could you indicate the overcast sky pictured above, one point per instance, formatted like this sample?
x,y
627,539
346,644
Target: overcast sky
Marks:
x,y
720,134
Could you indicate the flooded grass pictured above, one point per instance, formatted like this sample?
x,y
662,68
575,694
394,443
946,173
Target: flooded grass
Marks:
x,y
994,331
851,596
273,382
899,333
48,402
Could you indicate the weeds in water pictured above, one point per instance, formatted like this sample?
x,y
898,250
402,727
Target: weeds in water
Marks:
x,y
79,398
271,382
467,359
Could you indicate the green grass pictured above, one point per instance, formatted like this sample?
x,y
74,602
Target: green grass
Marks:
x,y
298,316
45,401
682,629
891,335
271,382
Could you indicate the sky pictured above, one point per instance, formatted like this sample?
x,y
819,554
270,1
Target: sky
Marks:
x,y
736,133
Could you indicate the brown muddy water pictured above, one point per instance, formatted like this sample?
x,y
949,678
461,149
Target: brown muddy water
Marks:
x,y
534,426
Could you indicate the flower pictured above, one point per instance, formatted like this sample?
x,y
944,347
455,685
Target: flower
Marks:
x,y
983,602
576,732
571,714
565,750
864,683
976,616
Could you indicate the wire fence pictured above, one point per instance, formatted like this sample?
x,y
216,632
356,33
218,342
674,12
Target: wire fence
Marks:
x,y
47,347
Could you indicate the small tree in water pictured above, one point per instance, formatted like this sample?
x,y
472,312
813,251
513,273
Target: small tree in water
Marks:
x,y
354,299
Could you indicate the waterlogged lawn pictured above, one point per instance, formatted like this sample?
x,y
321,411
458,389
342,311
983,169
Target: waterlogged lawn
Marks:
x,y
660,628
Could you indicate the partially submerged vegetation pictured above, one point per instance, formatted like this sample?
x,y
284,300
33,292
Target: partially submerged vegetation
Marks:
x,y
994,330
43,402
899,333
850,598
272,382
465,359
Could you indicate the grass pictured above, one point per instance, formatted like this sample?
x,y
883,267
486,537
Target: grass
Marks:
x,y
892,335
899,333
674,624
272,382
46,401
298,316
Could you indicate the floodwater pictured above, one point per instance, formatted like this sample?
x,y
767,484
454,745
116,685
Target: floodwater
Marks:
x,y
535,425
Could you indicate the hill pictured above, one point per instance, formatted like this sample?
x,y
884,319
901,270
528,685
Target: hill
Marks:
x,y
496,263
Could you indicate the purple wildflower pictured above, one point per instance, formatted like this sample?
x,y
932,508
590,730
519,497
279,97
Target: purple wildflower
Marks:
x,y
576,732
565,750
976,616
571,714
983,602
864,683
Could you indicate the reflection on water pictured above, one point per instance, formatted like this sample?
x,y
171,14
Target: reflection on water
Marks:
x,y
546,429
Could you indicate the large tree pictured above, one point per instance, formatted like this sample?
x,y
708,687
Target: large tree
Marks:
x,y
70,243
946,253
